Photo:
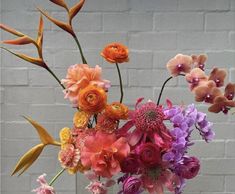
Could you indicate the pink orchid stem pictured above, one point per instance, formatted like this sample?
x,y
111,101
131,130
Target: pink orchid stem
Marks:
x,y
80,49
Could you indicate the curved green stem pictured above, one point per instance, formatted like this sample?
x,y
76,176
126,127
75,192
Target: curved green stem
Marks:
x,y
80,49
163,86
120,81
56,176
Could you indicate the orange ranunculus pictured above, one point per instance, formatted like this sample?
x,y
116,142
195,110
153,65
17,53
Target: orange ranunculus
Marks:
x,y
80,76
92,99
115,53
103,152
116,111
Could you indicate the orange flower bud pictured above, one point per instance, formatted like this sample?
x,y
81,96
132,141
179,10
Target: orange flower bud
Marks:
x,y
116,111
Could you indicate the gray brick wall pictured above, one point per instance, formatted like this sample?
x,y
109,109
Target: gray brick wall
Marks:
x,y
154,30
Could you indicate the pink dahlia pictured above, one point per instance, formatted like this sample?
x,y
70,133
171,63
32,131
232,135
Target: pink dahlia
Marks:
x,y
69,156
79,76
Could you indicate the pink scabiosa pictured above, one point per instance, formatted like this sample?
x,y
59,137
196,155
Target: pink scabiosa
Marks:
x,y
44,187
189,167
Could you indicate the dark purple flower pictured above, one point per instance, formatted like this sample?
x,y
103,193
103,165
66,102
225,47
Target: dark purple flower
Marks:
x,y
132,185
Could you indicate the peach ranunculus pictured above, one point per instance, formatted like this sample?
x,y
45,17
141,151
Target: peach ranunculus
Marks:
x,y
117,111
92,99
196,77
81,75
180,63
115,53
103,152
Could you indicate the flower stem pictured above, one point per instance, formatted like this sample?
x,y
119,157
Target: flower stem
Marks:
x,y
163,86
80,49
120,80
53,74
56,176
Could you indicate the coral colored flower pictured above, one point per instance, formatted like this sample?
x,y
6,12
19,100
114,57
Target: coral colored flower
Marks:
x,y
189,167
97,187
80,76
196,77
207,92
221,103
180,63
116,111
65,135
218,76
44,187
103,152
80,119
69,156
92,99
199,61
106,123
229,91
150,154
115,53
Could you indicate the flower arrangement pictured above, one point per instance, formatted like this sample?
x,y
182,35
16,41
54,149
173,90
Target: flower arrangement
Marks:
x,y
108,139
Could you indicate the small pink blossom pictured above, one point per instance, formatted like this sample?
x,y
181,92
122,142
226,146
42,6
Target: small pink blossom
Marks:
x,y
44,187
97,187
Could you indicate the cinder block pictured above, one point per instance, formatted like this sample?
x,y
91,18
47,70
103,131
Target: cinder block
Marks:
x,y
220,59
35,95
205,183
229,183
232,75
112,76
216,21
230,149
12,184
224,131
232,40
153,5
161,58
128,22
201,149
201,40
15,76
213,166
153,78
178,21
153,41
200,5
14,112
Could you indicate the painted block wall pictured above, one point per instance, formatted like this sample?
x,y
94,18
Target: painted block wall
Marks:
x,y
154,30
